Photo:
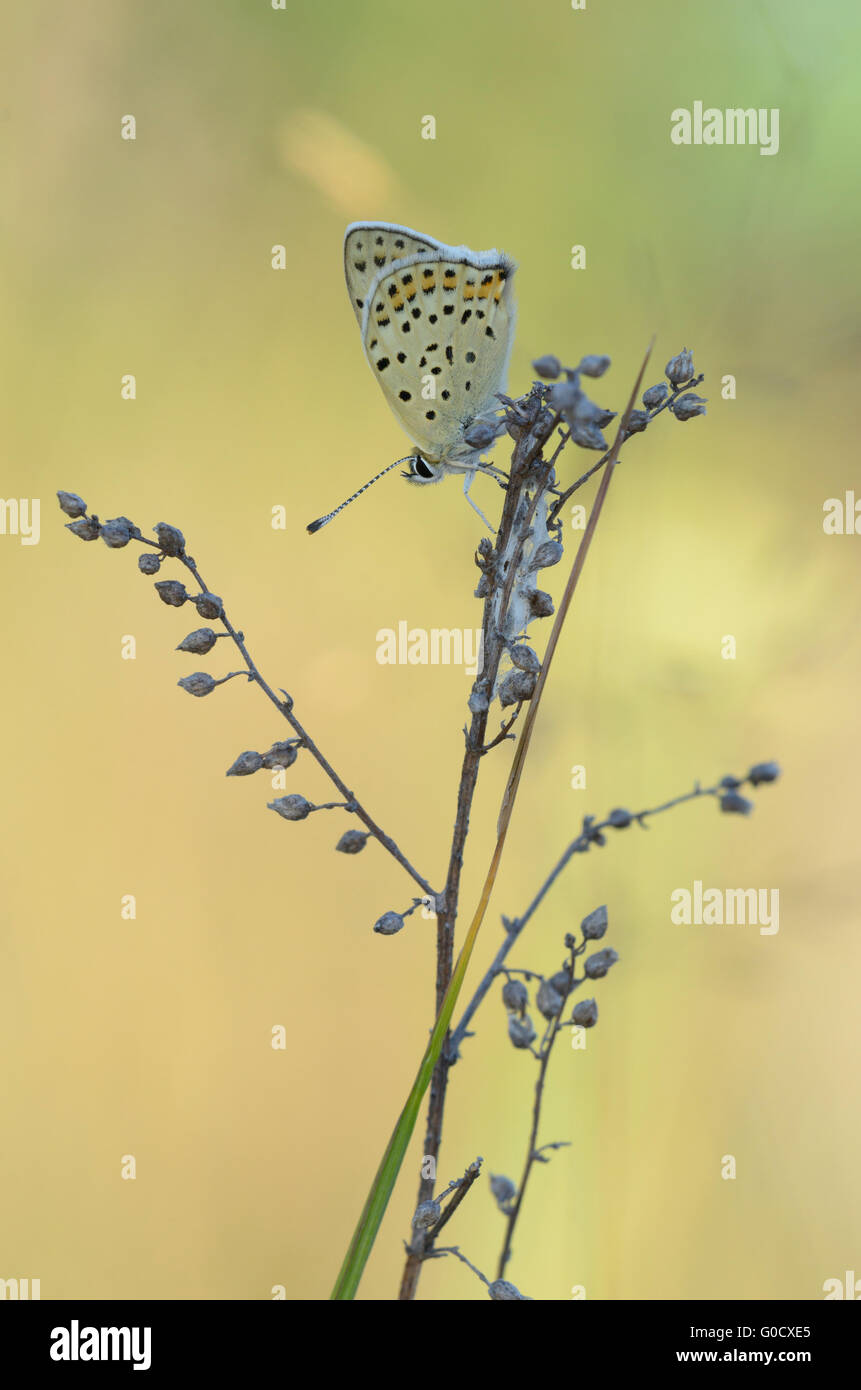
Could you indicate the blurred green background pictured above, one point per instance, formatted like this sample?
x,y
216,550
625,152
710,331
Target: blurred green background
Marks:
x,y
152,1037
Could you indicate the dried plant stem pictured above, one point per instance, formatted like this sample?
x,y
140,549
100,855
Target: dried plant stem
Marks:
x,y
285,709
463,1187
383,1184
580,844
531,1151
493,647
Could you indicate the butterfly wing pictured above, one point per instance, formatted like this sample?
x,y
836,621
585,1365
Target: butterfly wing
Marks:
x,y
369,247
437,328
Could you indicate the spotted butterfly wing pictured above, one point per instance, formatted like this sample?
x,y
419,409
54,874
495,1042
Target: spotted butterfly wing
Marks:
x,y
369,247
437,329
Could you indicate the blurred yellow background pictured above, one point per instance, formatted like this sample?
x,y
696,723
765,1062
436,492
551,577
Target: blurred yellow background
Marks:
x,y
151,1037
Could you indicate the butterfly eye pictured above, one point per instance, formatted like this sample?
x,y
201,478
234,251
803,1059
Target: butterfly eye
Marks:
x,y
422,469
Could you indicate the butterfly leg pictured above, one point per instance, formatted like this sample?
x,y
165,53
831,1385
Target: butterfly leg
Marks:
x,y
467,484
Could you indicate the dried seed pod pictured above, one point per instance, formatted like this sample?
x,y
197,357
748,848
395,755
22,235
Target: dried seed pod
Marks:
x,y
515,996
525,659
426,1214
281,755
87,529
516,686
388,924
735,805
117,533
520,1030
209,606
603,417
637,421
293,807
503,1190
171,592
565,395
148,563
480,434
588,412
763,772
547,554
620,819
656,395
594,926
540,603
688,405
352,841
587,435
245,764
594,365
585,1013
561,982
171,540
198,684
501,1290
201,641
548,1000
680,368
596,966
71,503
548,368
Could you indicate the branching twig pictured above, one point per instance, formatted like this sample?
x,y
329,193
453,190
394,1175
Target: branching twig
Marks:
x,y
532,1152
593,834
172,543
675,393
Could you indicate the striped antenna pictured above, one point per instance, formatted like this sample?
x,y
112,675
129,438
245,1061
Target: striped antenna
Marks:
x,y
324,520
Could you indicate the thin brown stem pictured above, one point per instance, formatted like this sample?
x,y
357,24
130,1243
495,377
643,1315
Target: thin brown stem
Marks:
x,y
528,448
532,1149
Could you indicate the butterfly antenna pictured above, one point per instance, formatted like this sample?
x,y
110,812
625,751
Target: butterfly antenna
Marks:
x,y
324,520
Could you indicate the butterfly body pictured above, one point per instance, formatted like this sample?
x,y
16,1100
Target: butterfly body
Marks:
x,y
437,324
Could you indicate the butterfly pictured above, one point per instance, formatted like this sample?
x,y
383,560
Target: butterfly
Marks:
x,y
437,324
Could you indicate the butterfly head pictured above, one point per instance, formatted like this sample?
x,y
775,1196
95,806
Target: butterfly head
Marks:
x,y
421,469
